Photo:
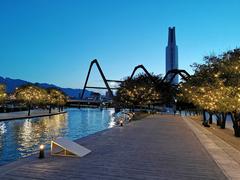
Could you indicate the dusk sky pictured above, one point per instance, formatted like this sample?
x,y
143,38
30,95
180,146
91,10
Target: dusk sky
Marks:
x,y
54,41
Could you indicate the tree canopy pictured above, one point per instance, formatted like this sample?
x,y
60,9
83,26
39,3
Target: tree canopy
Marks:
x,y
31,94
215,85
56,97
3,94
143,90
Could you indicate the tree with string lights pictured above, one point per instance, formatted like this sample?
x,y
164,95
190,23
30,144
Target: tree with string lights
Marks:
x,y
3,94
143,91
31,95
57,98
215,87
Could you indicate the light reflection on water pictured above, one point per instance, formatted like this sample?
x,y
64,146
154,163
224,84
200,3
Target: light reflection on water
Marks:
x,y
21,138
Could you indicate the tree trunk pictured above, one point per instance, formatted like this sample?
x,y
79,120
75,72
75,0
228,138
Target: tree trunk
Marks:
x,y
210,117
29,110
50,109
204,116
236,123
223,120
205,121
218,119
4,108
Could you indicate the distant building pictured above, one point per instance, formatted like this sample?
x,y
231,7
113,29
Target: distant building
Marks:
x,y
172,53
108,95
94,96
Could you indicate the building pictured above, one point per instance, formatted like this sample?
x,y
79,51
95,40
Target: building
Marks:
x,y
172,53
95,96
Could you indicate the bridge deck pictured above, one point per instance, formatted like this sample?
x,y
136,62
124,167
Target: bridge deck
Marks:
x,y
159,147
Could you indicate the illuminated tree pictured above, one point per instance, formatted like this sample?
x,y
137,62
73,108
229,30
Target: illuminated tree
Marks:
x,y
56,98
143,91
215,86
3,94
31,95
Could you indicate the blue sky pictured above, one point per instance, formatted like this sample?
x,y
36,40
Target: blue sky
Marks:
x,y
55,40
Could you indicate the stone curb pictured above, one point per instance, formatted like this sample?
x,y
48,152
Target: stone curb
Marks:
x,y
221,152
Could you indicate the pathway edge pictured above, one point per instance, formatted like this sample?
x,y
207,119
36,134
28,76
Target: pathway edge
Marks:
x,y
225,162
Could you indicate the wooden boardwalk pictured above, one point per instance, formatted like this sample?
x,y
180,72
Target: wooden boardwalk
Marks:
x,y
158,147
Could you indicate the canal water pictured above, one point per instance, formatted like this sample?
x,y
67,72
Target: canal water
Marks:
x,y
21,138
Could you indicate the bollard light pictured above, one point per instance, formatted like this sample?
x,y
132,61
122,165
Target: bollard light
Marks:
x,y
41,151
121,122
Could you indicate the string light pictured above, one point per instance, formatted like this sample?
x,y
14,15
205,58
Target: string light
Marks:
x,y
218,92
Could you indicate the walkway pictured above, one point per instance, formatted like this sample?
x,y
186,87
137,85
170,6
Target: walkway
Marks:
x,y
221,146
158,147
24,114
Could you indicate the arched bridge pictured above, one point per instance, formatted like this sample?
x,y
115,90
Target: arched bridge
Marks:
x,y
170,75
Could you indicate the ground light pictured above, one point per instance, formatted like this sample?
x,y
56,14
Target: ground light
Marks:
x,y
121,122
41,151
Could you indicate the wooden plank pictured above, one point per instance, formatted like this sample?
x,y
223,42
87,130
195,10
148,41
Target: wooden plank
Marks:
x,y
159,147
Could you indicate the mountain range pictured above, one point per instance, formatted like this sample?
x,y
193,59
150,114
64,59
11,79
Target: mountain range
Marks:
x,y
12,84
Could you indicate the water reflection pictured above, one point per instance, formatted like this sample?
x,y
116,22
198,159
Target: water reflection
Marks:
x,y
2,128
112,119
33,132
21,138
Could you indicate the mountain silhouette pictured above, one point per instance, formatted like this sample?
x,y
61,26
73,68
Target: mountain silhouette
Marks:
x,y
12,84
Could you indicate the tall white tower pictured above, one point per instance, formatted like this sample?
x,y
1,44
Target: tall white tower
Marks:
x,y
172,53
